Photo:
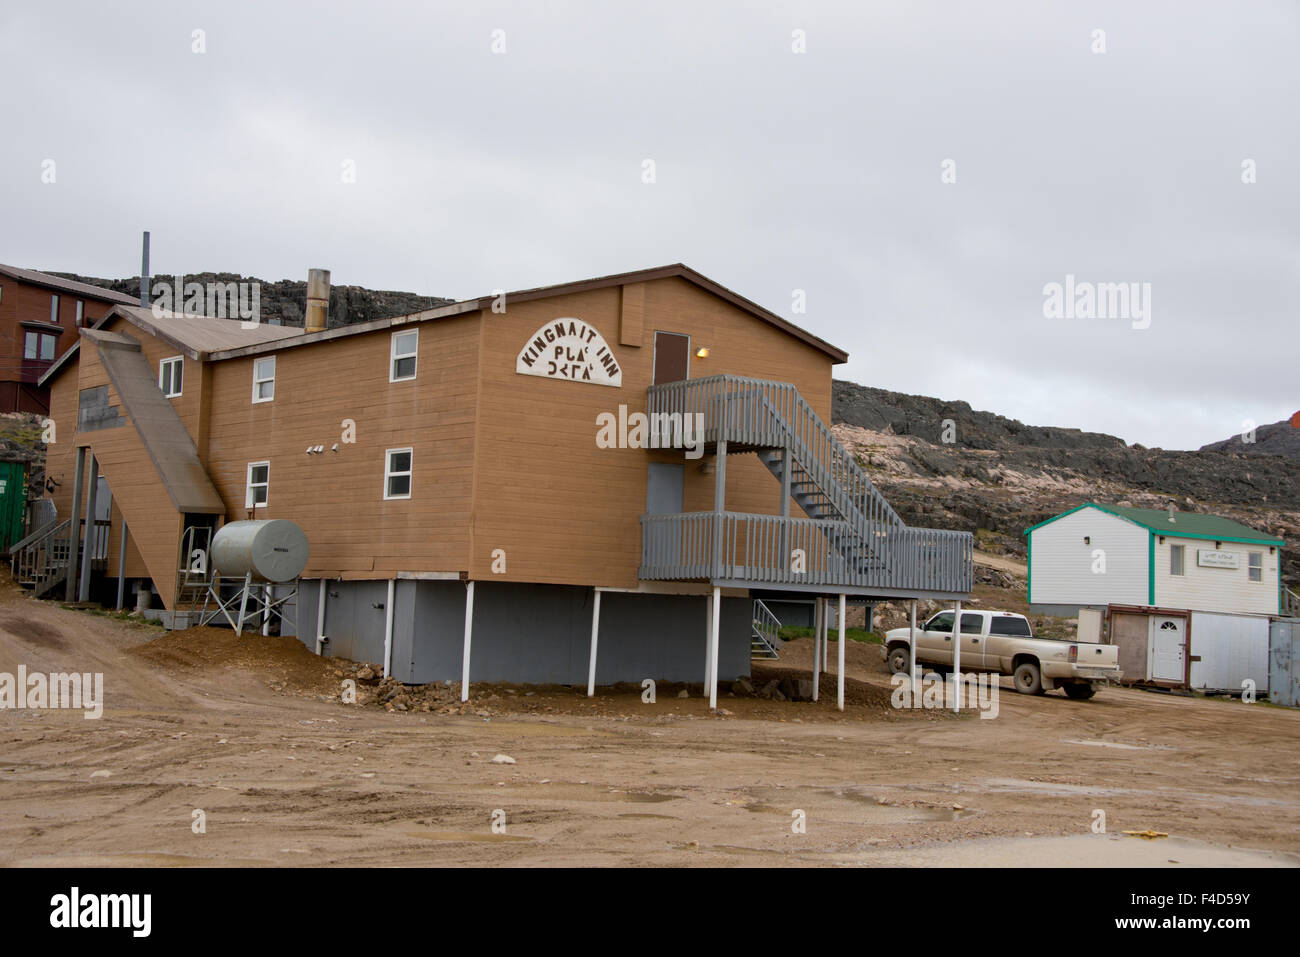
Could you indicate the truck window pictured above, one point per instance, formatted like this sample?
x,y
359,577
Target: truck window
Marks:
x,y
940,622
1005,625
972,624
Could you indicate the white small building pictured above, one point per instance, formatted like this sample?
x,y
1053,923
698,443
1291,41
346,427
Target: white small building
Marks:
x,y
1187,595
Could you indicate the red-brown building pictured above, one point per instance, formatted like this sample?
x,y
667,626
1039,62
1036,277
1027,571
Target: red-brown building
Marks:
x,y
40,315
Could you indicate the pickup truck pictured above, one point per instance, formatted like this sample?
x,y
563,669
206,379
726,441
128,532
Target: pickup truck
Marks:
x,y
1003,642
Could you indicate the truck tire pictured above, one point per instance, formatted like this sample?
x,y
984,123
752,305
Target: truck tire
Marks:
x,y
1079,690
900,659
1028,679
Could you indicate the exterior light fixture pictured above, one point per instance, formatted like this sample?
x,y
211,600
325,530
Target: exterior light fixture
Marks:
x,y
1087,539
702,353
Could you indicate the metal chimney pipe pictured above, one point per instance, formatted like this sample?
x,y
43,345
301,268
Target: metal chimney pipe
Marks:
x,y
1171,514
318,299
144,273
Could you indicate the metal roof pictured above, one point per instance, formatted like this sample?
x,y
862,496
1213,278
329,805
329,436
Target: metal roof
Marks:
x,y
156,421
1182,525
84,289
196,336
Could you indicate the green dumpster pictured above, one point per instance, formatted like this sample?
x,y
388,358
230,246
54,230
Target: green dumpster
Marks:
x,y
13,502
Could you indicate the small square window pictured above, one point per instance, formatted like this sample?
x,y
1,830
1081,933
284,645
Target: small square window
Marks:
x,y
1176,556
169,376
259,483
397,473
264,379
404,349
1255,566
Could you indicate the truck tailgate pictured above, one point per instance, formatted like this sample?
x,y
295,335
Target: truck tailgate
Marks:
x,y
1097,661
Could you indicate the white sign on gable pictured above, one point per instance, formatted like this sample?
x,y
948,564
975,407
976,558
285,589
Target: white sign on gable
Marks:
x,y
570,349
1208,558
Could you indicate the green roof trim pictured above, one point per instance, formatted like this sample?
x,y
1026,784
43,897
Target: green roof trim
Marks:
x,y
1183,525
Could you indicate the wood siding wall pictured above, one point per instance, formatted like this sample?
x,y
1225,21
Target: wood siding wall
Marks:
x,y
565,511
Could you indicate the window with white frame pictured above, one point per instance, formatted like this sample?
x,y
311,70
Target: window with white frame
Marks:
x,y
397,473
402,364
54,309
264,379
1176,559
259,484
169,376
81,312
1255,566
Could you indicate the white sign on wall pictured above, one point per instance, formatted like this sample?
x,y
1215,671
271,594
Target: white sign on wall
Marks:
x,y
569,349
1209,558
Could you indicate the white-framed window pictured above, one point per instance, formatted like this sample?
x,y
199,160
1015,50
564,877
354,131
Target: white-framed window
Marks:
x,y
401,365
81,312
1176,556
1255,566
169,376
397,473
54,309
258,486
264,379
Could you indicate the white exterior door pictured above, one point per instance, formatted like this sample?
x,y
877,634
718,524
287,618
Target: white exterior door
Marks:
x,y
1166,648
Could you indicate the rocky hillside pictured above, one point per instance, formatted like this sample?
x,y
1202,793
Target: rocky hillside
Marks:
x,y
285,301
998,476
1280,438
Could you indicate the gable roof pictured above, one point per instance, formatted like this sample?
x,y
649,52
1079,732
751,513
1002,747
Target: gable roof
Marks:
x,y
677,270
1183,524
201,339
71,286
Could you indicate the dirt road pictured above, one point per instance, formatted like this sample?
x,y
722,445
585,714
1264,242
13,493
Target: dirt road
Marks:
x,y
252,733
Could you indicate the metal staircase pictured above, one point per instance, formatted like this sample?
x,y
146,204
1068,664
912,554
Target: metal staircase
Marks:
x,y
40,561
1290,605
851,535
765,636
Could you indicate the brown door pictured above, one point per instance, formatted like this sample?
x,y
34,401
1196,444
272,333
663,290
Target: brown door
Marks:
x,y
672,357
1130,632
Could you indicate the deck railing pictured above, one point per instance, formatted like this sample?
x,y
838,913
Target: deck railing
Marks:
x,y
759,413
774,550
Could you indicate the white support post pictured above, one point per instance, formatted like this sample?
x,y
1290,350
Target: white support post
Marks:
x,y
388,628
469,630
320,619
266,611
595,636
713,647
916,684
839,673
818,611
708,630
956,659
826,638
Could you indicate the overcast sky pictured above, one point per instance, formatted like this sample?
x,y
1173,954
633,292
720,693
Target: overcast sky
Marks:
x,y
774,171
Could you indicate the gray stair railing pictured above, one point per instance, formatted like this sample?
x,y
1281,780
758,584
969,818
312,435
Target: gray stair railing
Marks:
x,y
765,633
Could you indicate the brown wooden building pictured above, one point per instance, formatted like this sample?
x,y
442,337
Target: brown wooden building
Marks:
x,y
477,476
39,318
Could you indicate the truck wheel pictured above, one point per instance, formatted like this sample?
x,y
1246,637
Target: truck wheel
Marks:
x,y
1028,679
1080,691
900,659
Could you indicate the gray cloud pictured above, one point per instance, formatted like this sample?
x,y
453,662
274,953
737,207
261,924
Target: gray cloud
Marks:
x,y
775,171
